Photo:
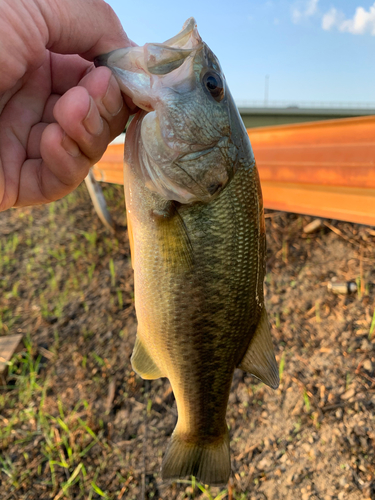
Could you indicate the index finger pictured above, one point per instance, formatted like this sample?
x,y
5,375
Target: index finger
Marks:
x,y
85,27
66,71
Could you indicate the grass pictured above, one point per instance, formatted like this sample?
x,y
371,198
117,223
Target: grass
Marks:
x,y
112,271
282,366
65,439
202,488
306,401
372,326
317,311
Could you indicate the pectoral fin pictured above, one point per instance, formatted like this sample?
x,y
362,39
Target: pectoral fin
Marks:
x,y
259,359
143,364
174,240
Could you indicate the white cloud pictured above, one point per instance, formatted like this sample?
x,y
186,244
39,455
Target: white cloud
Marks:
x,y
311,7
332,18
303,10
362,22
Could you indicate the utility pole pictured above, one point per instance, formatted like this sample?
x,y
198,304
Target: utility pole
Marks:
x,y
266,88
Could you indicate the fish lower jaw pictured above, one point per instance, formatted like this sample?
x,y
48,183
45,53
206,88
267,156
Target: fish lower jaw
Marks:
x,y
145,105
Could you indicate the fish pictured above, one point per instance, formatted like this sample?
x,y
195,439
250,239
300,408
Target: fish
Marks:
x,y
197,236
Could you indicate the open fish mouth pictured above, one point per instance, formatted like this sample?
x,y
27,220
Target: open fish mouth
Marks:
x,y
138,68
188,151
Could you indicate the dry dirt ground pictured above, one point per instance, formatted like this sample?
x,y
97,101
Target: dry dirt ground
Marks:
x,y
76,422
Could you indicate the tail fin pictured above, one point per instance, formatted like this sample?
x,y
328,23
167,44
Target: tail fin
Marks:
x,y
209,463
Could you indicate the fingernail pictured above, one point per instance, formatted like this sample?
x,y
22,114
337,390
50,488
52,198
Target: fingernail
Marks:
x,y
112,101
70,146
93,122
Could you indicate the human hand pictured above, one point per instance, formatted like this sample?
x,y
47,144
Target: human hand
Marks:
x,y
57,112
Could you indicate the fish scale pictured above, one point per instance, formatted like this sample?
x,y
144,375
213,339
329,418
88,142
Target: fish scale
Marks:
x,y
197,236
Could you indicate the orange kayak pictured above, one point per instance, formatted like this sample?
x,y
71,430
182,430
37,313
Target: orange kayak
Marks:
x,y
325,168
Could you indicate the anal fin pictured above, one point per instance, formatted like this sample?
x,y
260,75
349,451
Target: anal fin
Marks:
x,y
143,364
259,359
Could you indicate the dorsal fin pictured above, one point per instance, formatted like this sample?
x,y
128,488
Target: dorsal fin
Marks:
x,y
259,359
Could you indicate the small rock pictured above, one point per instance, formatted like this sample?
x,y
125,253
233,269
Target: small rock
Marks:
x,y
315,225
367,365
343,481
348,394
121,417
313,453
232,398
366,346
268,443
339,414
284,458
359,430
264,464
306,447
363,442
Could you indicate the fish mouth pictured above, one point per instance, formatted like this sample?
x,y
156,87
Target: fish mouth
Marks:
x,y
137,68
101,60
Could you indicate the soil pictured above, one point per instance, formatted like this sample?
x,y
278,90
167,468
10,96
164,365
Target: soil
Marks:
x,y
67,285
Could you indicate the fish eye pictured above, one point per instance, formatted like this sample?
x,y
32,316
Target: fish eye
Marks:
x,y
214,84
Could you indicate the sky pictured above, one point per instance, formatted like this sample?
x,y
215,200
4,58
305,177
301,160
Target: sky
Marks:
x,y
310,50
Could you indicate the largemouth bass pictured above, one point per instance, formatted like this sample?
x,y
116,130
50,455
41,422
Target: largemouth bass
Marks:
x,y
197,235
